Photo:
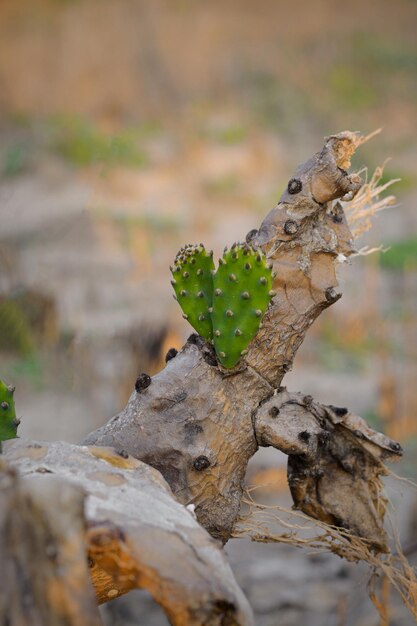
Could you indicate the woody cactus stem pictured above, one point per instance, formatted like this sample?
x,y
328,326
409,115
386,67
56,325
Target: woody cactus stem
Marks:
x,y
200,428
8,420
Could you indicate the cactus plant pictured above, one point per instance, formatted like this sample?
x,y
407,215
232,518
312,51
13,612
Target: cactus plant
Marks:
x,y
8,420
225,307
193,286
242,292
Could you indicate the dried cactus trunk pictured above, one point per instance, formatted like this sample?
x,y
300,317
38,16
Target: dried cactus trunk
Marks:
x,y
200,424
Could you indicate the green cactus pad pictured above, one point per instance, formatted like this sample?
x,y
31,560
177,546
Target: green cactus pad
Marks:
x,y
242,292
8,421
193,286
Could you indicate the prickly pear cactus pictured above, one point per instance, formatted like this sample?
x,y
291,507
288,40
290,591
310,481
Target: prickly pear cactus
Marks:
x,y
225,307
8,421
193,286
242,292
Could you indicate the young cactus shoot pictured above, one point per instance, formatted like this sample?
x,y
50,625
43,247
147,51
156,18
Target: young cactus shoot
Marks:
x,y
8,421
193,286
225,306
242,292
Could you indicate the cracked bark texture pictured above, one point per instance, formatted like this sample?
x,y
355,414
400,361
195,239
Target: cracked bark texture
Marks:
x,y
135,535
199,424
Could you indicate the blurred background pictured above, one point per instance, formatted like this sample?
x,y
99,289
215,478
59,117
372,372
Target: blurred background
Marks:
x,y
131,127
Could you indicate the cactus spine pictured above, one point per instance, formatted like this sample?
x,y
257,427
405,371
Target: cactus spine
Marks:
x,y
8,420
225,307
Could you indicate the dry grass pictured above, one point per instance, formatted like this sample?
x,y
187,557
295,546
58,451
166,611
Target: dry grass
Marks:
x,y
369,201
391,569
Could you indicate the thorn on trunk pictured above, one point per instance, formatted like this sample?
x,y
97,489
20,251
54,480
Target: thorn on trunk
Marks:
x,y
290,227
339,410
251,235
171,354
201,463
294,186
332,295
142,382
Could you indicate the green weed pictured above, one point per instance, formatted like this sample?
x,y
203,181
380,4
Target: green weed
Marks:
x,y
15,332
349,88
400,255
83,144
15,160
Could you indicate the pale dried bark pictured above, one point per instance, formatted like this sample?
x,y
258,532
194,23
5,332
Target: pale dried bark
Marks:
x,y
44,575
335,461
199,424
136,535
